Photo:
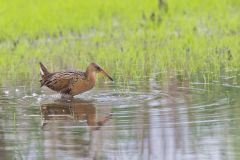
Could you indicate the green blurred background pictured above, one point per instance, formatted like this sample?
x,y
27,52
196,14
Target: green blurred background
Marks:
x,y
131,39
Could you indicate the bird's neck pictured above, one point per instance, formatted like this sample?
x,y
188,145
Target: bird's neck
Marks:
x,y
91,76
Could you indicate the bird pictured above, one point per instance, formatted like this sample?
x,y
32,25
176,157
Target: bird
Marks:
x,y
71,83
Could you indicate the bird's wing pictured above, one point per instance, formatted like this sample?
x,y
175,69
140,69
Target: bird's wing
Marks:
x,y
64,81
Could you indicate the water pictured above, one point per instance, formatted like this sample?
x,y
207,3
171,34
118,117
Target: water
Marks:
x,y
169,119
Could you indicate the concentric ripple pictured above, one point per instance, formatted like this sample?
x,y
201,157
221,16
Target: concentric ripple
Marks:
x,y
165,120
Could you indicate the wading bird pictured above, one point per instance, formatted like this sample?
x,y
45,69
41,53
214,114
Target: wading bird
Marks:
x,y
71,83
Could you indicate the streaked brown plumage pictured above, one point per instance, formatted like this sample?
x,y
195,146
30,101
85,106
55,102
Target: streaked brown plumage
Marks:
x,y
71,83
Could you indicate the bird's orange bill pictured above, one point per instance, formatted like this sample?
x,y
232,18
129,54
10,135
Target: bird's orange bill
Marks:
x,y
105,74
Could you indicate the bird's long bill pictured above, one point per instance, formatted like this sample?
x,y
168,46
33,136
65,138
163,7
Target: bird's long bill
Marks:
x,y
106,74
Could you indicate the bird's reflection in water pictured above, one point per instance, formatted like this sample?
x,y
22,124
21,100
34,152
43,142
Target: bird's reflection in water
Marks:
x,y
70,128
74,110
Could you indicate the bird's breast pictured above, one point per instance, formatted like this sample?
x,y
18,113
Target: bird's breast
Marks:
x,y
81,86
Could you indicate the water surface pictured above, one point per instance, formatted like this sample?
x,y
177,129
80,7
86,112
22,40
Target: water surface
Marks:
x,y
167,119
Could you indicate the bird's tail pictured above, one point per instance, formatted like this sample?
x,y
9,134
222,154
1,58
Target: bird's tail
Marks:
x,y
43,73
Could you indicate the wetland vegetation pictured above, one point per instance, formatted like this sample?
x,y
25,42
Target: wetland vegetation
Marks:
x,y
132,39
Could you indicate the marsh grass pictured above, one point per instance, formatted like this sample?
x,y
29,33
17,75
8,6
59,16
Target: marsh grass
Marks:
x,y
131,39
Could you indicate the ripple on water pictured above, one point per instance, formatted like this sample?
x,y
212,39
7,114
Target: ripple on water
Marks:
x,y
182,123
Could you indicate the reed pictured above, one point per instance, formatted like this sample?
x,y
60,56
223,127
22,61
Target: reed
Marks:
x,y
131,39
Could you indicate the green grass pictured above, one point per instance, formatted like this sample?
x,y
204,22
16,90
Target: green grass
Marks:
x,y
131,39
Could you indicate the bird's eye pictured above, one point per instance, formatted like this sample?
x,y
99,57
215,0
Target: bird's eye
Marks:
x,y
98,68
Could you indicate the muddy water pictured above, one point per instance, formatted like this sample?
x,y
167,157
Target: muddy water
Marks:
x,y
170,120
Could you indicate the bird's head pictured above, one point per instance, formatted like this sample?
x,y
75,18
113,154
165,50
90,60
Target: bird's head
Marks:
x,y
96,68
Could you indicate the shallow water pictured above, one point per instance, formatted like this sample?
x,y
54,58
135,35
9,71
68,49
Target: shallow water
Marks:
x,y
170,120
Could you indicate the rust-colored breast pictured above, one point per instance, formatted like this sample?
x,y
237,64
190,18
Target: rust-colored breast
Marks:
x,y
81,85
